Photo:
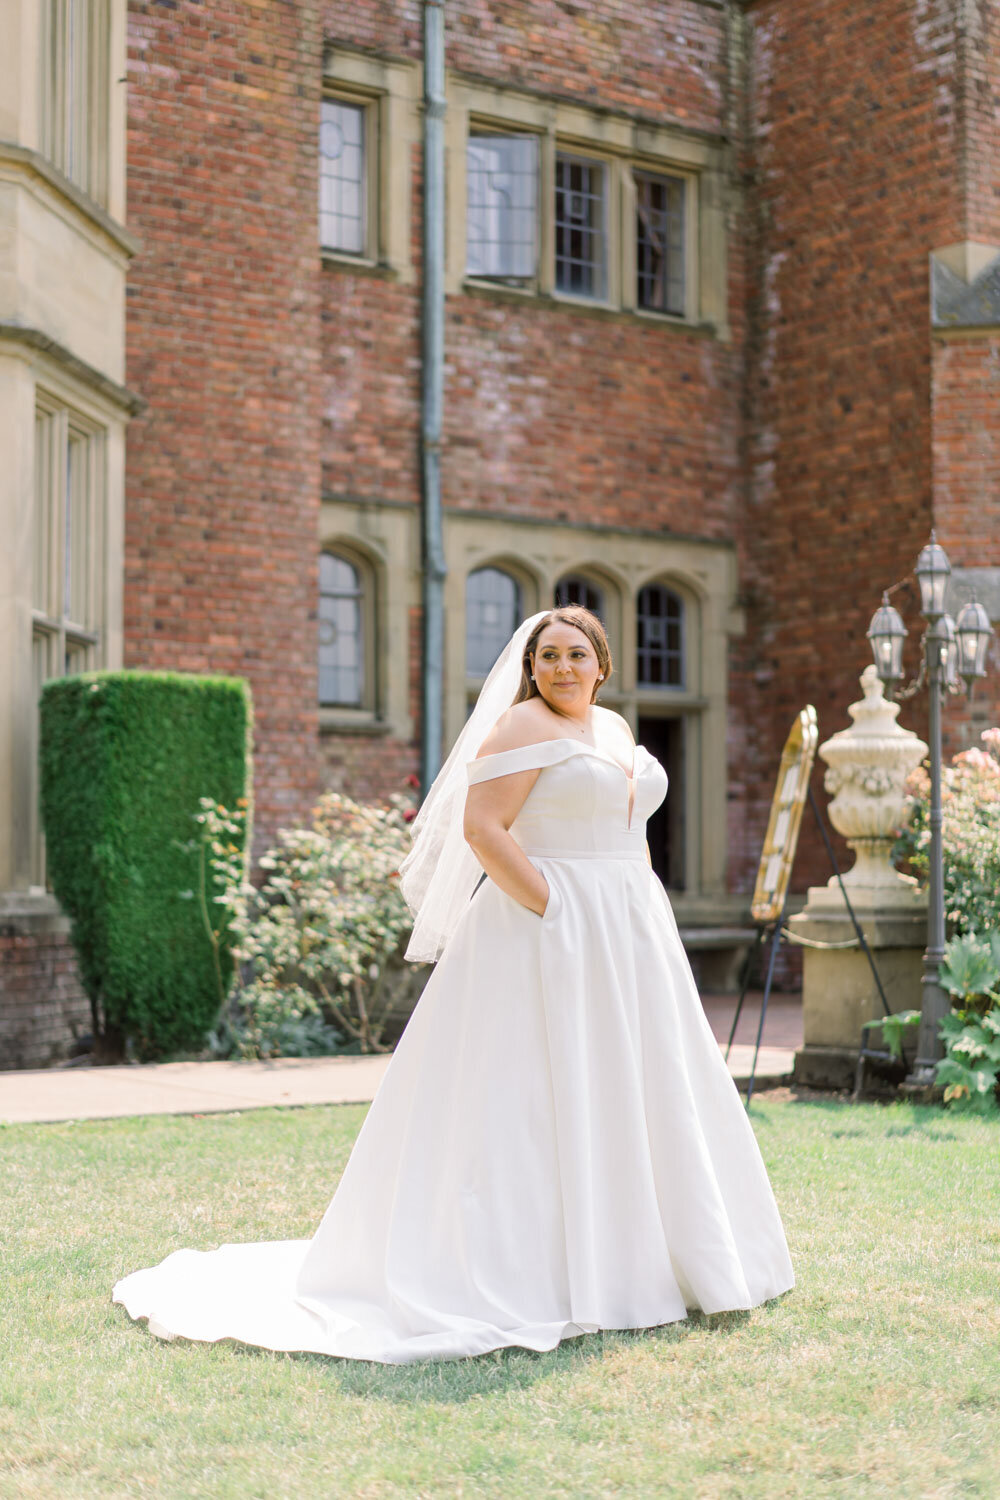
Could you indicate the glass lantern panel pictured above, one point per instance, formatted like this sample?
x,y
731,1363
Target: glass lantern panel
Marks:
x,y
933,571
974,632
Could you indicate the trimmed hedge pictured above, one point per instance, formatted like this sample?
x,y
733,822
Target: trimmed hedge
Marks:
x,y
125,757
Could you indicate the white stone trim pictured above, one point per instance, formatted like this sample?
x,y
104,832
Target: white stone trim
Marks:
x,y
390,93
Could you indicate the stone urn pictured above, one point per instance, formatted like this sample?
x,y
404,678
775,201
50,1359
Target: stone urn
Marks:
x,y
867,767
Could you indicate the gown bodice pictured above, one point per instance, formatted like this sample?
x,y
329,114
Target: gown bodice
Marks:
x,y
579,806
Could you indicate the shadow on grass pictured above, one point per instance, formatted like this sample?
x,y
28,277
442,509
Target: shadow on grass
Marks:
x,y
923,1120
454,1381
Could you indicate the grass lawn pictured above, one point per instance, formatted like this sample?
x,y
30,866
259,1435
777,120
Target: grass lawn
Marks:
x,y
878,1375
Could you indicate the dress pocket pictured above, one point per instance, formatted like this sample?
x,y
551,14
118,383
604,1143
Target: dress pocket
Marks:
x,y
554,903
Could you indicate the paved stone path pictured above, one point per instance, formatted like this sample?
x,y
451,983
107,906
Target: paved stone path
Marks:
x,y
183,1088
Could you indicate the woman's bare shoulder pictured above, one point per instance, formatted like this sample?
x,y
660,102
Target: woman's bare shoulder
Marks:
x,y
523,724
613,721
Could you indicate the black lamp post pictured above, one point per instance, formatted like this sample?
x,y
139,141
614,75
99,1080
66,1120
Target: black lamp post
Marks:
x,y
951,648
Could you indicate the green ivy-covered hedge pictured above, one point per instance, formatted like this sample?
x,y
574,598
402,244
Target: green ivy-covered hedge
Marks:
x,y
125,758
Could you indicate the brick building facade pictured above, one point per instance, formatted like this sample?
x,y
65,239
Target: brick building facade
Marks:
x,y
722,344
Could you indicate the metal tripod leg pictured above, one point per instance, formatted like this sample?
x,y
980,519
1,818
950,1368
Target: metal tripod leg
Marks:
x,y
747,972
772,959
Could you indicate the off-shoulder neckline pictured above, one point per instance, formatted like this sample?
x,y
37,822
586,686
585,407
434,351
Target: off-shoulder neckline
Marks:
x,y
578,745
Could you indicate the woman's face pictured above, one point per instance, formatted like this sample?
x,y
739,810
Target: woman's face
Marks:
x,y
566,669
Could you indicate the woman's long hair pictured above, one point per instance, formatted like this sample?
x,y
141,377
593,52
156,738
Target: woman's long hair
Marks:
x,y
581,619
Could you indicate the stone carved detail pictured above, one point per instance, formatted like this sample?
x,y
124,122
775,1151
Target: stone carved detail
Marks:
x,y
867,767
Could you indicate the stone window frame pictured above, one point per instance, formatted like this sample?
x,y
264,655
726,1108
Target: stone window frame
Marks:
x,y
623,143
588,579
476,679
389,92
55,632
74,70
681,654
527,583
513,278
602,264
368,110
366,573
377,539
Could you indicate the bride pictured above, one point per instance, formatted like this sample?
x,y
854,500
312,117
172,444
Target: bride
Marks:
x,y
557,1146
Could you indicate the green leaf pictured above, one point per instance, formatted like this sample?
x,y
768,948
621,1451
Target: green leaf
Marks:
x,y
970,967
894,1029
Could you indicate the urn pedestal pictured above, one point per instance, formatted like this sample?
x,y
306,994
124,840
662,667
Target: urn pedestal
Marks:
x,y
867,768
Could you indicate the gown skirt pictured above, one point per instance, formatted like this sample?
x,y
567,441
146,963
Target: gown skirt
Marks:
x,y
556,1147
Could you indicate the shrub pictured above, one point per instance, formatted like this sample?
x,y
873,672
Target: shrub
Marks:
x,y
970,803
971,1031
125,757
322,939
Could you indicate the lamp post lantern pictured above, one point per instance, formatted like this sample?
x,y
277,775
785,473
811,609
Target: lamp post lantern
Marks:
x,y
887,634
950,649
933,571
972,632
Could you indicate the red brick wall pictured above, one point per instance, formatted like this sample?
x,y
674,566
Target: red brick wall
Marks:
x,y
851,154
42,1005
561,414
967,491
661,58
223,472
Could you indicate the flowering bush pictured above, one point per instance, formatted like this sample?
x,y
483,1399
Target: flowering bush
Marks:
x,y
322,940
970,805
970,802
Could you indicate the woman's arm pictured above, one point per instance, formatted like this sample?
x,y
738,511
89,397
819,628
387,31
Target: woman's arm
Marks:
x,y
490,809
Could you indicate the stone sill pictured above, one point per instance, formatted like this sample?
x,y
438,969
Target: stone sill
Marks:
x,y
31,913
88,208
339,721
592,307
332,260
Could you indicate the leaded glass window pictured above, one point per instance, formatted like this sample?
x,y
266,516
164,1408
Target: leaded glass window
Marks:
x,y
574,589
341,632
581,231
659,242
69,566
74,93
501,222
342,196
660,637
492,614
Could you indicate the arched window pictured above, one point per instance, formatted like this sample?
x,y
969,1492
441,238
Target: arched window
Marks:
x,y
492,614
575,589
660,637
342,644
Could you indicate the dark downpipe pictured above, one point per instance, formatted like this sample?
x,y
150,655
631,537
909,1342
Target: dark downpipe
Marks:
x,y
434,569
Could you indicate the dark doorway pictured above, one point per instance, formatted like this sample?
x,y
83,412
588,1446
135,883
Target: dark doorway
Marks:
x,y
664,738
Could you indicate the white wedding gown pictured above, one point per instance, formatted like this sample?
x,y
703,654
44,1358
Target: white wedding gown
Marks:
x,y
556,1147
